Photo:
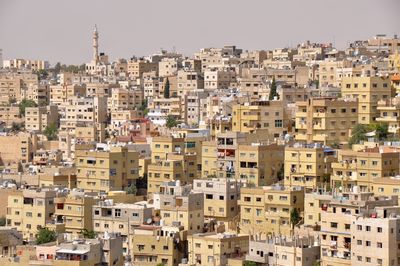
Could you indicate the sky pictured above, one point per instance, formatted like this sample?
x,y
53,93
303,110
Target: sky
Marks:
x,y
56,30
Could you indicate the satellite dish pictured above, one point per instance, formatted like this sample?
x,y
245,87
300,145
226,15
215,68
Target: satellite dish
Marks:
x,y
149,220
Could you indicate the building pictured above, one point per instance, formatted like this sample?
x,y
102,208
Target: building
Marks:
x,y
75,211
136,68
326,120
106,250
10,115
38,118
280,251
17,148
360,167
375,236
178,205
369,91
307,166
176,166
29,210
121,218
338,222
220,199
268,209
154,245
269,115
216,248
106,168
389,111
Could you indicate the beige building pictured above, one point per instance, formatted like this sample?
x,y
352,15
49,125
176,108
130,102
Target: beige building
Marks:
x,y
179,206
10,115
326,120
30,210
120,218
369,91
280,251
216,248
75,211
269,115
360,167
338,226
307,166
107,169
220,199
389,111
267,209
154,245
62,93
38,118
136,68
124,99
18,148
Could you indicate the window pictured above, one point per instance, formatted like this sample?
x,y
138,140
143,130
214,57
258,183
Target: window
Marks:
x,y
379,229
379,245
359,242
334,225
278,123
368,243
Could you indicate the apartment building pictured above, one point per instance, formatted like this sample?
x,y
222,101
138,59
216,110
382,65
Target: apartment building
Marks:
x,y
74,210
216,248
121,218
161,108
326,120
307,165
280,251
63,92
106,168
192,106
162,145
106,250
328,72
39,93
219,79
314,204
269,115
220,199
151,85
17,148
337,224
389,111
179,206
267,209
29,210
10,115
124,99
169,66
369,91
375,237
189,80
136,68
81,111
360,167
154,245
38,118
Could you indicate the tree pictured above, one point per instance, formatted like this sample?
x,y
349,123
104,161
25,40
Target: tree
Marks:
x,y
26,103
160,264
131,189
16,126
45,236
51,132
171,121
294,217
2,221
166,89
272,91
250,263
88,233
358,132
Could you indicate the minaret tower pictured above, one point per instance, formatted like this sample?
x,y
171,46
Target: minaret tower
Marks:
x,y
95,45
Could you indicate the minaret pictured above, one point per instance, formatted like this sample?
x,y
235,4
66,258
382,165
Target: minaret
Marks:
x,y
95,45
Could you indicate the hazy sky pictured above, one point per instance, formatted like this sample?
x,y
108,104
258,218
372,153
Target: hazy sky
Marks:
x,y
62,30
